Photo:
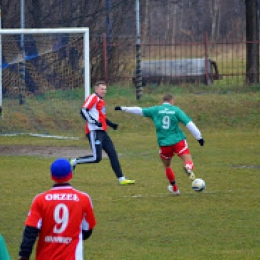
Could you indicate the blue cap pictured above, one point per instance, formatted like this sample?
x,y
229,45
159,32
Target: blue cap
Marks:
x,y
61,170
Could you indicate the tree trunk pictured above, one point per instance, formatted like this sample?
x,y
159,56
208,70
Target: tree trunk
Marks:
x,y
167,20
174,22
252,42
214,7
146,24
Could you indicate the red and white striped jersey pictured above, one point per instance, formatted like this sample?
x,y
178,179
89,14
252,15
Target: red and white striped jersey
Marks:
x,y
61,214
97,109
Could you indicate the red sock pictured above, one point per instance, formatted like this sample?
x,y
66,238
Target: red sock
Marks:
x,y
171,177
189,165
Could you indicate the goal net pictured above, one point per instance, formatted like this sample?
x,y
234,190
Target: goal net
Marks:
x,y
44,80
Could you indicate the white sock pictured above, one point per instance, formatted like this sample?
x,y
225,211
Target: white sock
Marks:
x,y
121,178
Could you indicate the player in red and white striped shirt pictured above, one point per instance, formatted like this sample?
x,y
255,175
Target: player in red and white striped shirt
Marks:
x,y
94,112
61,218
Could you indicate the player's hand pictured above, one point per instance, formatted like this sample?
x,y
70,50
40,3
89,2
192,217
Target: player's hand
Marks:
x,y
118,108
201,141
115,126
98,124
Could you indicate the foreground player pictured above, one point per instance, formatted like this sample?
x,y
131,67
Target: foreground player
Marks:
x,y
94,112
62,217
170,137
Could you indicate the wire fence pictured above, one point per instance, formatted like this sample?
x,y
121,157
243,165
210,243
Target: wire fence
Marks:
x,y
207,62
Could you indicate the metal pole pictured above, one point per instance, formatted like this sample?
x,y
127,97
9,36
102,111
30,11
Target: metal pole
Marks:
x,y
207,78
22,63
22,14
1,66
138,71
86,64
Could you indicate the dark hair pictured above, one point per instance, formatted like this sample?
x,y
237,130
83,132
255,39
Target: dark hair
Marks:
x,y
167,97
100,82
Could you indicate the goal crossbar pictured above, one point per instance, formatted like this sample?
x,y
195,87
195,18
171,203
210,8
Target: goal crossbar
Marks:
x,y
45,30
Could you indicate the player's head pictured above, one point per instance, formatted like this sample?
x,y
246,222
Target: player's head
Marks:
x,y
100,88
61,170
168,98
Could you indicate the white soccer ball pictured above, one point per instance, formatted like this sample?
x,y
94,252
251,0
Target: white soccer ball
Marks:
x,y
198,185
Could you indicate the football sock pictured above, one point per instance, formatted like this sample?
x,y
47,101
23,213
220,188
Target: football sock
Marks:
x,y
171,177
170,174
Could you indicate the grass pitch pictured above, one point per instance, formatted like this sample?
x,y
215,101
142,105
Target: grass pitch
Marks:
x,y
145,221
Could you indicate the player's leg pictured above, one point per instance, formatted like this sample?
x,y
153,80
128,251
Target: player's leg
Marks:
x,y
183,152
95,139
109,148
188,165
166,154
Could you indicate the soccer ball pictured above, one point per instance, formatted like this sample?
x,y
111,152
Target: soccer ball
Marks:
x,y
198,185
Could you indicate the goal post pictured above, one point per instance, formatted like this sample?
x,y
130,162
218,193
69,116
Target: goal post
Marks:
x,y
34,62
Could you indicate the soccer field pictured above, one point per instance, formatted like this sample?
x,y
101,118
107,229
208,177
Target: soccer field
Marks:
x,y
145,221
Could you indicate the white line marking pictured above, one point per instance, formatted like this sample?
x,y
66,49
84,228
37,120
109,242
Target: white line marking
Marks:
x,y
42,135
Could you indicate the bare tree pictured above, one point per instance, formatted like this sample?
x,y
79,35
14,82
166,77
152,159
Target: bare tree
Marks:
x,y
146,23
252,45
214,7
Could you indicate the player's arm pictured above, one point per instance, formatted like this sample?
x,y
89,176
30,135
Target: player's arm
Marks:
x,y
90,119
195,132
187,121
87,106
89,221
111,124
29,237
132,110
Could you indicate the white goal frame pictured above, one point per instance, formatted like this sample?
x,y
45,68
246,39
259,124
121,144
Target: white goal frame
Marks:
x,y
82,30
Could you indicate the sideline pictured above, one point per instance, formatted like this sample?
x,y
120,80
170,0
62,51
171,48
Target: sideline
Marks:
x,y
42,135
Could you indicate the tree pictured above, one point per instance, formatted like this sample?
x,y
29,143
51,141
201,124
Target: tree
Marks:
x,y
252,42
214,8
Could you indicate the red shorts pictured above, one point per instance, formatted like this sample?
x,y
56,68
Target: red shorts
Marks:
x,y
167,152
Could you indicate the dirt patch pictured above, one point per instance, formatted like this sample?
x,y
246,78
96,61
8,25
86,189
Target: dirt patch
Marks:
x,y
44,151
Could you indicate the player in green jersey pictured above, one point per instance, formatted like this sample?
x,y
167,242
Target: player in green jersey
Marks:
x,y
171,139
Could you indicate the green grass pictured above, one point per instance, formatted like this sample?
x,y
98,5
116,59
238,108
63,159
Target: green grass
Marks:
x,y
58,113
144,221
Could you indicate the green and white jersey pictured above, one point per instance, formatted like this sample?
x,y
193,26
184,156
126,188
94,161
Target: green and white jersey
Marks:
x,y
166,119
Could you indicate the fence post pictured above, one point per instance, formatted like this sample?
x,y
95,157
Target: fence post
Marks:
x,y
206,58
105,57
1,66
138,78
138,71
